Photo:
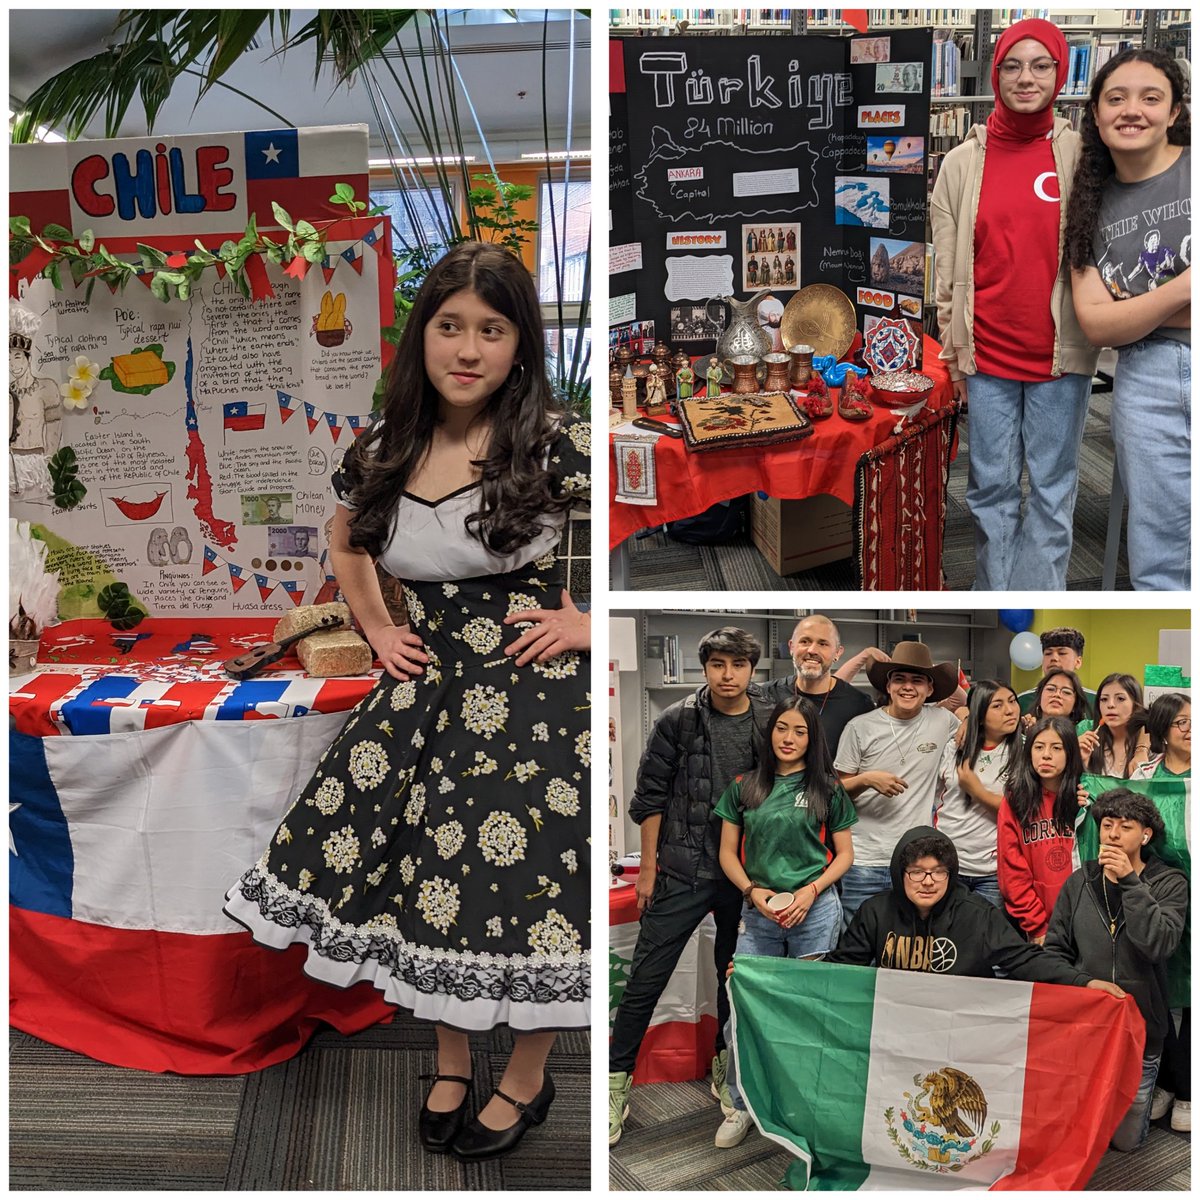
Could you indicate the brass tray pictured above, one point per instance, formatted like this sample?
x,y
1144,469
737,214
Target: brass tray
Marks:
x,y
821,316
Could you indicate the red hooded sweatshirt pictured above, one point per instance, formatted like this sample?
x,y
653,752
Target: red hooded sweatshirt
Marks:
x,y
1033,861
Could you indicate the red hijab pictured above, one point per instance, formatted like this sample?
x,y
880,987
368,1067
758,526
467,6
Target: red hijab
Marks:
x,y
1004,123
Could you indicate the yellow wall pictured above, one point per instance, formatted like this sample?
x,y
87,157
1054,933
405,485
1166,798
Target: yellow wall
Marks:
x,y
1114,640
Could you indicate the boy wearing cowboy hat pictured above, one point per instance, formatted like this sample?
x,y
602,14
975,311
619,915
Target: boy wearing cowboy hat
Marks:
x,y
888,763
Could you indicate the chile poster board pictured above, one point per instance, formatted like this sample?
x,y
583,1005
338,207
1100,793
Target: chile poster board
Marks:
x,y
207,443
791,142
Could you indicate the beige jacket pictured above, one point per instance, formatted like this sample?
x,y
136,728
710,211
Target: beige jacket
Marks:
x,y
952,212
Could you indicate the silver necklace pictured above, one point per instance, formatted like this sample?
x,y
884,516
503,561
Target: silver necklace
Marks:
x,y
900,750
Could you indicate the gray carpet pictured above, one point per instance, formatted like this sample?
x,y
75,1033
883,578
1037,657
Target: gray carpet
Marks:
x,y
668,1145
340,1116
658,563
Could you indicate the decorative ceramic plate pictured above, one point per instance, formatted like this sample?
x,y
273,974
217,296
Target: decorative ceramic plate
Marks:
x,y
759,419
821,316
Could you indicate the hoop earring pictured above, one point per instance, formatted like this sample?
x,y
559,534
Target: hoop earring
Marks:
x,y
515,384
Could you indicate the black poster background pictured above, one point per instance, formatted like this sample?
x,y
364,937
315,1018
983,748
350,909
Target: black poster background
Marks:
x,y
792,103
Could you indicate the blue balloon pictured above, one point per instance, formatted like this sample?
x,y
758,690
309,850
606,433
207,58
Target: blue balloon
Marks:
x,y
1026,651
1016,619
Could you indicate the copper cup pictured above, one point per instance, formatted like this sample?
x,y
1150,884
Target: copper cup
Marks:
x,y
801,365
778,377
744,368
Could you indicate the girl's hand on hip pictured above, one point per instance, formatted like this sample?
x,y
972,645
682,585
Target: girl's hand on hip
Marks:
x,y
556,630
400,651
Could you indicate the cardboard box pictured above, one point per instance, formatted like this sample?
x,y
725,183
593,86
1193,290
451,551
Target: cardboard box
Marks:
x,y
794,535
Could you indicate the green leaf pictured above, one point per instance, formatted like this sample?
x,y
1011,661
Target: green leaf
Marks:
x,y
54,274
19,226
185,289
87,240
58,232
158,289
275,252
313,252
282,217
130,619
342,193
305,230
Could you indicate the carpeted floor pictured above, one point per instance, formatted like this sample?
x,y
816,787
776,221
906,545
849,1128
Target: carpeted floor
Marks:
x,y
668,1145
341,1116
658,563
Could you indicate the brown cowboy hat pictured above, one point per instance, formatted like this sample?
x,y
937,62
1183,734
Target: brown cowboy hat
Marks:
x,y
915,658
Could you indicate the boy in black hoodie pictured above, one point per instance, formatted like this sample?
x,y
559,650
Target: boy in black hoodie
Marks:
x,y
929,922
1122,917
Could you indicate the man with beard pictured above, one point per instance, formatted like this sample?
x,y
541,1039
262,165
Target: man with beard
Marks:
x,y
816,648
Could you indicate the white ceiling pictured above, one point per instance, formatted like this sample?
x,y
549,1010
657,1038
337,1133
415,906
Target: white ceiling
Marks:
x,y
500,64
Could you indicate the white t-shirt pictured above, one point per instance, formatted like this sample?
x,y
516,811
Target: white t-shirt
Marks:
x,y
911,749
971,826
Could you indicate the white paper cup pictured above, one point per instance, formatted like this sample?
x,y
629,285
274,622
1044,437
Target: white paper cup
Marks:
x,y
780,901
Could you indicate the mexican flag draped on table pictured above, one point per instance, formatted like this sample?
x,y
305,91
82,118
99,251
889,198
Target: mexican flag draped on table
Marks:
x,y
908,1081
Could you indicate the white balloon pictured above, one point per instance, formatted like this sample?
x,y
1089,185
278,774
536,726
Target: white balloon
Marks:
x,y
1026,651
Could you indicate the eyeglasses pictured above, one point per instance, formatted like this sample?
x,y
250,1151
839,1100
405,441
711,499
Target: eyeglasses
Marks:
x,y
1182,723
1052,690
1042,68
938,874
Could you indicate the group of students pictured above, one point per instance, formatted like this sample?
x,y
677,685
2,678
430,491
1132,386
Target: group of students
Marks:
x,y
813,824
1049,244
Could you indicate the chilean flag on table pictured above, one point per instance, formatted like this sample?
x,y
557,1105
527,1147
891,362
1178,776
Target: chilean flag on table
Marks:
x,y
121,849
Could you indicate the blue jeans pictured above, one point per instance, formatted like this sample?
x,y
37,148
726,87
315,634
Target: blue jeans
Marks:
x,y
1152,432
1014,425
988,886
1135,1125
859,884
817,934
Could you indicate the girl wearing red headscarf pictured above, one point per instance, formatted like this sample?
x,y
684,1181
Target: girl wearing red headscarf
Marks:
x,y
1008,326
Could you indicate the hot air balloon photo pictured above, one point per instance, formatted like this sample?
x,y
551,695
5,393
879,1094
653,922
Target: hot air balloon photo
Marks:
x,y
896,155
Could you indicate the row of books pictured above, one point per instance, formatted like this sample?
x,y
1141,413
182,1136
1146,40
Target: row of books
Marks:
x,y
1088,56
944,74
664,647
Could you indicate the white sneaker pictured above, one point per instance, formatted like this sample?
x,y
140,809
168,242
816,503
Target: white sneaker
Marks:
x,y
1181,1116
1160,1103
734,1129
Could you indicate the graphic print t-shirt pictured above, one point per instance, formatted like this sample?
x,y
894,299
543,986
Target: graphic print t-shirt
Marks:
x,y
1144,235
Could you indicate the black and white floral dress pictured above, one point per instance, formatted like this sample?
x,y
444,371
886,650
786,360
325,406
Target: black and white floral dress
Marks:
x,y
441,850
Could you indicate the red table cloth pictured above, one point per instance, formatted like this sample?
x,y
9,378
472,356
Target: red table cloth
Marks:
x,y
822,464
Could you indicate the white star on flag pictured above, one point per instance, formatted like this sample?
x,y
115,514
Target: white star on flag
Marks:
x,y
272,153
12,846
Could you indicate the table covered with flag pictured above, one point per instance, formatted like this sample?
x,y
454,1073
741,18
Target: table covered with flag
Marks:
x,y
143,782
899,1080
678,1046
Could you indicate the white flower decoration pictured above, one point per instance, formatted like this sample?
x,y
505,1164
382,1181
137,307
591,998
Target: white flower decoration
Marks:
x,y
415,807
482,635
449,838
484,710
562,798
85,372
560,666
74,395
572,862
583,747
404,695
329,796
438,901
368,765
341,850
554,935
502,839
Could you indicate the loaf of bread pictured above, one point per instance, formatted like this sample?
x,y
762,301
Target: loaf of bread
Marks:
x,y
309,616
338,652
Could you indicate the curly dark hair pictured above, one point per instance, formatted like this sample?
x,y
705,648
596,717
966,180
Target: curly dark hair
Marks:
x,y
1095,166
1127,805
934,845
518,493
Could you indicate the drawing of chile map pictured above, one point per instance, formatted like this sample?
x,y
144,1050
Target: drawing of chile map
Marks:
x,y
748,159
213,424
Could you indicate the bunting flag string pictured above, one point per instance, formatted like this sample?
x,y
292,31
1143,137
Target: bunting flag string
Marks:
x,y
293,588
289,405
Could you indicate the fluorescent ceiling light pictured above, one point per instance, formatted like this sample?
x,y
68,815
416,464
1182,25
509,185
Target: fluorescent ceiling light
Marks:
x,y
420,162
558,154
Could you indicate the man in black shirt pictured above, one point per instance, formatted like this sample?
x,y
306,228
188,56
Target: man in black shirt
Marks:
x,y
696,748
816,648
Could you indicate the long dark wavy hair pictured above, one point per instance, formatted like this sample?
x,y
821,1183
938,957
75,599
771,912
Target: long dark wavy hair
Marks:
x,y
1137,722
518,493
982,693
1095,166
819,777
1024,791
1080,708
1159,716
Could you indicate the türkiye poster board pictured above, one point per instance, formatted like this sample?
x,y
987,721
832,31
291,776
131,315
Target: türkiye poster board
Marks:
x,y
813,146
208,478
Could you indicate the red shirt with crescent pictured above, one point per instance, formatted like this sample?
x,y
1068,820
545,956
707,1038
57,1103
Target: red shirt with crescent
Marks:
x,y
1016,260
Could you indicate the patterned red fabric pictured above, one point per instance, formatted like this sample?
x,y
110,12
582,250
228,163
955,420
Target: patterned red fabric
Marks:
x,y
900,505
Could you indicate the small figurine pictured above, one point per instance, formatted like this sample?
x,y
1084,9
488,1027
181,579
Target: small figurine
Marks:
x,y
685,382
629,397
713,378
656,392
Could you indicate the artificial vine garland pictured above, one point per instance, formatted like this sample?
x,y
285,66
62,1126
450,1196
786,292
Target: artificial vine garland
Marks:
x,y
172,275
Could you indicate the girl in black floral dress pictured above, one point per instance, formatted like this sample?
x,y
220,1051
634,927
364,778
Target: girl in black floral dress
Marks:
x,y
441,850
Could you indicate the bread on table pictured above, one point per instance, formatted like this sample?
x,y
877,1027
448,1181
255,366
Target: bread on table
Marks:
x,y
335,652
309,616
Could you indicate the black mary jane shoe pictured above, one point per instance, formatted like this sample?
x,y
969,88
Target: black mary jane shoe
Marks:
x,y
477,1141
437,1130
